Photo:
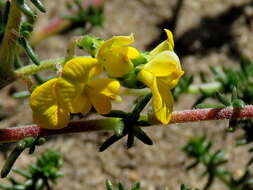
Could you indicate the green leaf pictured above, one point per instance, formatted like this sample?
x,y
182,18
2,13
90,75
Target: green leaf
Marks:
x,y
109,185
39,5
21,95
22,5
31,54
202,106
238,103
223,99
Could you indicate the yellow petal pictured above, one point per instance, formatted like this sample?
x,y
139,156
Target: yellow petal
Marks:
x,y
101,103
170,39
53,118
80,69
133,53
172,80
81,104
162,102
71,95
116,61
165,45
101,92
106,86
115,55
115,41
146,77
163,64
47,113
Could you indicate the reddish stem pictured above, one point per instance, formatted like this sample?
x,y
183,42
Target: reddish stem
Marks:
x,y
211,114
17,133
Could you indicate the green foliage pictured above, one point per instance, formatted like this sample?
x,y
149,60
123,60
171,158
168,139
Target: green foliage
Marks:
x,y
90,44
91,15
183,85
21,145
230,78
184,187
132,125
110,186
40,175
136,186
199,148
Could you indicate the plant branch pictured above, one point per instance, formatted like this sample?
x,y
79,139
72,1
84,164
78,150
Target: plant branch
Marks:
x,y
8,46
108,124
44,65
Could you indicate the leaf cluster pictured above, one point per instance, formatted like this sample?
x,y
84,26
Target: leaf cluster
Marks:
x,y
199,148
136,186
82,16
27,143
39,175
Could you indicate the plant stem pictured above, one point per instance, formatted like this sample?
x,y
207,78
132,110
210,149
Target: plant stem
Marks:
x,y
108,124
44,65
211,114
18,133
8,46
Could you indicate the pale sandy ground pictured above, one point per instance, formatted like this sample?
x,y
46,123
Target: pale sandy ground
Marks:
x,y
164,163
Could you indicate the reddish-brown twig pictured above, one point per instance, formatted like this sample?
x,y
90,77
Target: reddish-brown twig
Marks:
x,y
17,133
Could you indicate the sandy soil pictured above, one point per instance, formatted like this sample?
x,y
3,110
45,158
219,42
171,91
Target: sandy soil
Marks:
x,y
207,32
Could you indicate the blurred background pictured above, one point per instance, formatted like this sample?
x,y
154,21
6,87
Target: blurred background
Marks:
x,y
207,32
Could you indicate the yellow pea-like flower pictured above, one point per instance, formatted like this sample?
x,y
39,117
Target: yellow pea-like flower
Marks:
x,y
47,111
73,92
161,74
115,55
79,92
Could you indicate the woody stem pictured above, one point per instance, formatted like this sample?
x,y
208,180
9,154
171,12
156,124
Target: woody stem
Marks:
x,y
108,124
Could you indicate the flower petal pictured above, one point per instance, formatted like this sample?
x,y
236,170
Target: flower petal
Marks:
x,y
115,41
133,53
165,45
53,118
115,55
116,61
162,99
162,102
71,95
101,92
81,69
170,39
106,86
46,110
146,77
101,103
81,104
164,64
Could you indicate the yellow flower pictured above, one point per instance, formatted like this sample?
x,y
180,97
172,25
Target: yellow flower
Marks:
x,y
47,111
76,89
53,101
161,74
115,55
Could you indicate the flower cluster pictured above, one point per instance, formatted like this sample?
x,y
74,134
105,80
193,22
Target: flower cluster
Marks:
x,y
79,86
